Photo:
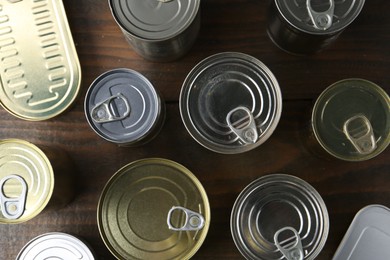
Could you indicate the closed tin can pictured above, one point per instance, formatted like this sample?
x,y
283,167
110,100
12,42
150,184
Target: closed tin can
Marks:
x,y
40,73
153,209
351,121
279,216
308,26
32,179
55,245
124,108
158,30
230,103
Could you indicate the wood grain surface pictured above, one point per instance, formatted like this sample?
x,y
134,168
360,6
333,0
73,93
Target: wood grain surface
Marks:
x,y
363,51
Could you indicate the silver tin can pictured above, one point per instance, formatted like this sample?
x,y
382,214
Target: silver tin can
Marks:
x,y
123,107
308,26
230,103
279,216
55,245
158,30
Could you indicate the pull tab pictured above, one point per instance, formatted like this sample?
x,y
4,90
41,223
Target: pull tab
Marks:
x,y
245,127
292,246
321,20
194,221
104,111
359,132
13,208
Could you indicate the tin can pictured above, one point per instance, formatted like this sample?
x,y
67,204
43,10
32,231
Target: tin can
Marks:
x,y
230,103
40,73
279,216
32,179
153,209
308,26
158,30
124,108
55,245
350,121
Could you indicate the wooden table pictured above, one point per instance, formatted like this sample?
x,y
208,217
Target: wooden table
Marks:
x,y
363,51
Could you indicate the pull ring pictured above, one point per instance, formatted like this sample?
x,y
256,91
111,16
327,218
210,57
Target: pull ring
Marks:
x,y
291,247
359,132
245,128
103,112
193,221
321,20
13,208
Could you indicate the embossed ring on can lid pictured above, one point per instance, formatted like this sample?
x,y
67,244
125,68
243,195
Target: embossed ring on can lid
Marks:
x,y
55,245
230,103
153,209
320,17
154,19
122,106
26,181
351,120
277,216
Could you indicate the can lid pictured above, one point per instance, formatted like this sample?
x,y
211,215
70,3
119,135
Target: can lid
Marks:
x,y
122,106
55,245
230,103
41,80
368,234
351,119
26,181
320,17
279,216
154,19
153,209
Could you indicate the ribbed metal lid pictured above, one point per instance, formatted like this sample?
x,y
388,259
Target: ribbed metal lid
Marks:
x,y
277,212
154,19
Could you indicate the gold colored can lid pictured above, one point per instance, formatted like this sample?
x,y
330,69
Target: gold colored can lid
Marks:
x,y
153,209
26,181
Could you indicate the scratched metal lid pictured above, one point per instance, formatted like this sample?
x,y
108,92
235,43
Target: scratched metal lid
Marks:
x,y
351,120
55,245
39,69
123,107
320,17
26,181
368,236
154,19
279,216
153,209
230,103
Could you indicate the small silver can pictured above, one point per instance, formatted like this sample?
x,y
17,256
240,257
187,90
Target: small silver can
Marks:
x,y
124,108
230,103
308,26
158,30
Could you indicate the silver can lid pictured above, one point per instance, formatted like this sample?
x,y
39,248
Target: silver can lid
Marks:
x,y
122,106
55,245
230,103
320,17
279,216
154,19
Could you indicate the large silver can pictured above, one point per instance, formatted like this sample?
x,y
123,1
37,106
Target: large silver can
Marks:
x,y
158,30
308,26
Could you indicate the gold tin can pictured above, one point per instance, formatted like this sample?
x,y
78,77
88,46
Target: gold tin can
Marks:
x,y
153,209
32,179
40,73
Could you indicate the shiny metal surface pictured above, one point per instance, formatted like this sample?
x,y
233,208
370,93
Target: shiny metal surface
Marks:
x,y
273,204
230,103
136,203
39,68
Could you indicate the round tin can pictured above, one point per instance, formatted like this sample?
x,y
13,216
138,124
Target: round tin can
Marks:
x,y
123,107
308,26
55,245
27,180
153,209
279,216
230,103
158,30
351,120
